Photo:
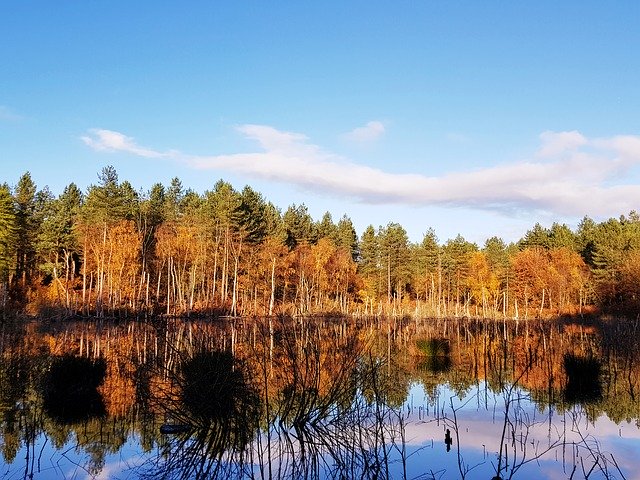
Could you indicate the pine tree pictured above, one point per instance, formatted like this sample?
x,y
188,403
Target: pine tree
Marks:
x,y
8,238
347,237
27,228
252,215
325,228
299,226
109,202
395,256
427,272
369,265
538,236
562,236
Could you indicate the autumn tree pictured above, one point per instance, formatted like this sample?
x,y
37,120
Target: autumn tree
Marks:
x,y
499,258
111,244
628,273
483,283
530,267
567,280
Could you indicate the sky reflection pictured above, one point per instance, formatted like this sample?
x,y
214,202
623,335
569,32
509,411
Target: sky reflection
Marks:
x,y
570,438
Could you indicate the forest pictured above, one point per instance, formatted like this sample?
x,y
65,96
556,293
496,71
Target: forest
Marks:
x,y
113,251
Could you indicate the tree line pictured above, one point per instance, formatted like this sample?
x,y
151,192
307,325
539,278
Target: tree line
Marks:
x,y
114,251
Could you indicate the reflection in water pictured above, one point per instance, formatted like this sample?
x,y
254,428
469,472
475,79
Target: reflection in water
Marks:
x,y
216,411
319,398
302,414
583,379
448,440
435,354
70,388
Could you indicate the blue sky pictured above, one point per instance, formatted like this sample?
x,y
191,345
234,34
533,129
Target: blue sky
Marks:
x,y
479,118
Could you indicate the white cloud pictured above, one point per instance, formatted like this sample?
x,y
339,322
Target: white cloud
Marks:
x,y
557,143
367,134
110,141
576,177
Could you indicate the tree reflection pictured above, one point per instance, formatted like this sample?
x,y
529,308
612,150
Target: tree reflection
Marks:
x,y
297,397
70,389
583,380
293,408
14,382
215,411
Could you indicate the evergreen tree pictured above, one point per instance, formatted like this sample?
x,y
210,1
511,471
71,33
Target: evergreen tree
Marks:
x,y
8,237
369,253
57,242
347,236
325,228
429,251
152,215
299,226
561,236
108,203
613,243
130,201
395,256
497,254
152,208
252,215
426,264
27,228
538,236
369,263
222,205
455,261
273,222
586,238
173,199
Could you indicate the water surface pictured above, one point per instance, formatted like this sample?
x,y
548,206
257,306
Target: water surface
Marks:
x,y
320,398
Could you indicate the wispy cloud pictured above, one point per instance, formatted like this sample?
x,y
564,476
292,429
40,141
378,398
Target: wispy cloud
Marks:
x,y
366,134
110,141
570,175
8,115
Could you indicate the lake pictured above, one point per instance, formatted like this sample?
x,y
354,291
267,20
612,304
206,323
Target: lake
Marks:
x,y
320,398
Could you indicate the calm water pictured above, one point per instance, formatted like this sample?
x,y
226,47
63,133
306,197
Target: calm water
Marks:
x,y
320,398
